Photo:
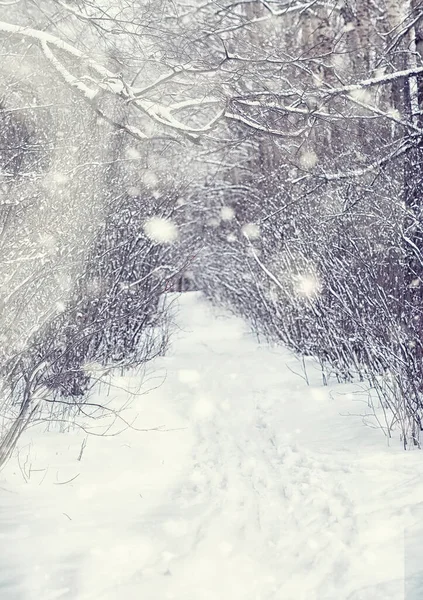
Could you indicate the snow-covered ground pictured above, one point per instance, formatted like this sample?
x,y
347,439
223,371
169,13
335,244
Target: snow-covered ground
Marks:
x,y
254,487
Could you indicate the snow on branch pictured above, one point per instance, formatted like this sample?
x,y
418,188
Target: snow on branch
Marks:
x,y
70,79
299,7
373,81
109,82
252,124
354,173
101,80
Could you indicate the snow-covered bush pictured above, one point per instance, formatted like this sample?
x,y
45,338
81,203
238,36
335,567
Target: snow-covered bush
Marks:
x,y
80,273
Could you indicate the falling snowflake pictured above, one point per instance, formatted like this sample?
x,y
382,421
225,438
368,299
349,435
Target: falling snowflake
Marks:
x,y
394,113
203,409
227,213
349,27
308,159
133,191
47,241
132,154
150,179
64,282
339,60
251,231
361,95
161,230
308,285
188,376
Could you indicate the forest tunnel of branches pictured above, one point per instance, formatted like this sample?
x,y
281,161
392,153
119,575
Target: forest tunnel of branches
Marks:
x,y
267,153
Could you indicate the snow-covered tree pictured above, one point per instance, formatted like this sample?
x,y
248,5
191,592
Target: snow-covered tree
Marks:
x,y
270,148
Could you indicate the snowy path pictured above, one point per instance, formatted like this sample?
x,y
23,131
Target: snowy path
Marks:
x,y
261,490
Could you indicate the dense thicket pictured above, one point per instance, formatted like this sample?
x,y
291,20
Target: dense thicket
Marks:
x,y
276,144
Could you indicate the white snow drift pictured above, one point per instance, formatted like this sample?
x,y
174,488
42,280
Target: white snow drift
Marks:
x,y
251,486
